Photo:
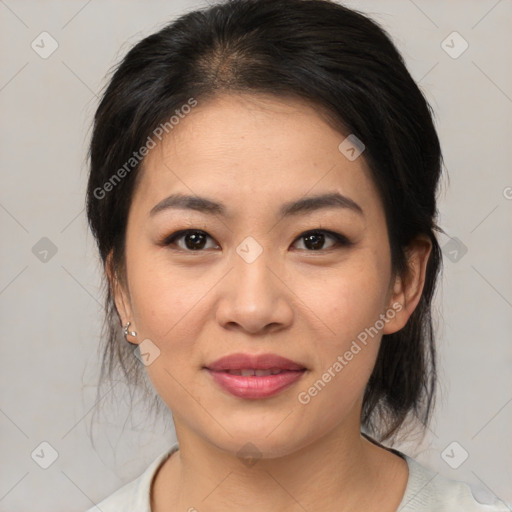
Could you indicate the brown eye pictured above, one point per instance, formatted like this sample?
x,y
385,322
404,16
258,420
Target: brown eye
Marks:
x,y
197,240
192,240
315,240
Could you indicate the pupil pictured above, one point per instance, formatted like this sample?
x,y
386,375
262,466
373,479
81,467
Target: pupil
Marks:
x,y
317,240
197,241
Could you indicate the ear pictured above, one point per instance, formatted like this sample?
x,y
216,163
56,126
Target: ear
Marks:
x,y
121,296
407,289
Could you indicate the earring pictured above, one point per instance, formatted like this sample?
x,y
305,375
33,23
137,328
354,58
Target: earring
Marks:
x,y
126,332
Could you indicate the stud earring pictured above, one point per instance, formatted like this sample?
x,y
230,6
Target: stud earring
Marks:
x,y
126,332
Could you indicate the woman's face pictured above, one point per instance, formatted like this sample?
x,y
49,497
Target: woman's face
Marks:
x,y
259,282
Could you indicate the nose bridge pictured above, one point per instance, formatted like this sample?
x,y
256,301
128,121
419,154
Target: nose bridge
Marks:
x,y
253,297
253,281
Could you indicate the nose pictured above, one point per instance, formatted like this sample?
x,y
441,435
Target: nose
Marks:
x,y
254,297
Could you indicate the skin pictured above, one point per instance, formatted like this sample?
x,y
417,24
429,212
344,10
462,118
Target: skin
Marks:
x,y
253,153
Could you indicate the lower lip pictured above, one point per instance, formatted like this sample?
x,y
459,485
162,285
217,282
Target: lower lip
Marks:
x,y
253,387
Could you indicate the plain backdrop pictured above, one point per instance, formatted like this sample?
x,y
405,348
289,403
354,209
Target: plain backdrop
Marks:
x,y
51,303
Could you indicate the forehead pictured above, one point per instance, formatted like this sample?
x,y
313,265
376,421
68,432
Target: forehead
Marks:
x,y
252,148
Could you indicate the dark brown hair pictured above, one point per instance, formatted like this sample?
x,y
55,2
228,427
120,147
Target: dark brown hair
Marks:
x,y
331,56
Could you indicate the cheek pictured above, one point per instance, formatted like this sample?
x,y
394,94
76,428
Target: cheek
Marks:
x,y
349,304
347,300
345,359
166,299
171,307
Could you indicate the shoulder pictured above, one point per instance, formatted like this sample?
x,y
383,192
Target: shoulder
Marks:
x,y
135,495
428,491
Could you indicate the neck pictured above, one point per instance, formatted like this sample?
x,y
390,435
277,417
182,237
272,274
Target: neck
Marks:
x,y
339,472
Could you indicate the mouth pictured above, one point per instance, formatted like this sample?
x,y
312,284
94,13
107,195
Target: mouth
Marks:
x,y
251,371
255,376
254,362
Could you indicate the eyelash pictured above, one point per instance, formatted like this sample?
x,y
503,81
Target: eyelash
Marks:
x,y
339,239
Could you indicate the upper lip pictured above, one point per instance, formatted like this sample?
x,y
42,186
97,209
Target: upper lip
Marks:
x,y
242,361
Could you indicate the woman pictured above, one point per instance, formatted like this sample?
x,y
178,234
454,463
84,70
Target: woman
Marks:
x,y
263,195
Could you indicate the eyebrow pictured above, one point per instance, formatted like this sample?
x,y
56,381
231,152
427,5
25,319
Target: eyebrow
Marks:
x,y
298,207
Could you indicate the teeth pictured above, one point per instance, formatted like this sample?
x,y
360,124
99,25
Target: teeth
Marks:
x,y
257,373
262,373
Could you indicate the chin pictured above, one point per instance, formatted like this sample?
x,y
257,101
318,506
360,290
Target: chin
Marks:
x,y
260,443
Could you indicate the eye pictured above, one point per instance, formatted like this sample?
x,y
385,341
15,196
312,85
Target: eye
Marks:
x,y
315,240
193,240
196,240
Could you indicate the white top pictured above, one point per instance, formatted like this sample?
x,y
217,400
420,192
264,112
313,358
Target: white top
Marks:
x,y
426,491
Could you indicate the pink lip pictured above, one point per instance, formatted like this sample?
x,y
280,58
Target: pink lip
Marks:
x,y
242,361
252,386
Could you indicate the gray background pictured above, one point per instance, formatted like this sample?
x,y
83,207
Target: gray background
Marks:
x,y
51,311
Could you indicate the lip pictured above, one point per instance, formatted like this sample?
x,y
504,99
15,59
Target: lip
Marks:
x,y
242,361
252,386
